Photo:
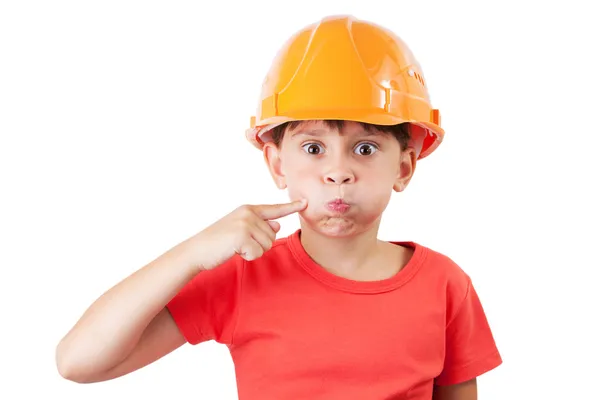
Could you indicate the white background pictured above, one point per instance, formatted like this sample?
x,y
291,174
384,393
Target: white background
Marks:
x,y
122,130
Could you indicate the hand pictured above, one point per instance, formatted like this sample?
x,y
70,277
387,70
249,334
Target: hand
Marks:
x,y
248,231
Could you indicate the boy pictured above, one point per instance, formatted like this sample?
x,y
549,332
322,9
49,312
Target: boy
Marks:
x,y
329,312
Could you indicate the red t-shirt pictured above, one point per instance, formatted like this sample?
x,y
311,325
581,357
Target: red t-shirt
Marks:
x,y
297,331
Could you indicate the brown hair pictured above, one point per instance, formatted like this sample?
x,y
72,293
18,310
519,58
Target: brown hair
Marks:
x,y
401,131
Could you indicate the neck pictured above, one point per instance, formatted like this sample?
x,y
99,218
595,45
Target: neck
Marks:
x,y
342,254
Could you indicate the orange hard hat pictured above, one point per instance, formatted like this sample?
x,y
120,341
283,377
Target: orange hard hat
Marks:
x,y
342,68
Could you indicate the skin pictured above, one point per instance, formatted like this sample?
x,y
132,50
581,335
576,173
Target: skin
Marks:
x,y
129,327
462,391
363,168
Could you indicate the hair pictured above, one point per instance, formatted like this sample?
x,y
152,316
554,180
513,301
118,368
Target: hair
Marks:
x,y
400,131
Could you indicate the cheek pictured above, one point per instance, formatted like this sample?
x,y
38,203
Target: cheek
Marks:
x,y
378,188
301,181
298,172
380,177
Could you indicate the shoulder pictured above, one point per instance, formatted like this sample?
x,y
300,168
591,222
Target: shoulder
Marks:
x,y
236,266
443,275
280,249
442,268
276,258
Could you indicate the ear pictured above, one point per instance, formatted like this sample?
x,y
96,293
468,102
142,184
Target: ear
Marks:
x,y
273,160
406,169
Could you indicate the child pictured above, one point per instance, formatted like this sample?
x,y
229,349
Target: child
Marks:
x,y
329,312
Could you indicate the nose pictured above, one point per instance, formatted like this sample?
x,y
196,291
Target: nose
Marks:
x,y
339,167
339,175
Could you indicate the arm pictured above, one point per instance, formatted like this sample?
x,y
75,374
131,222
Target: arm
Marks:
x,y
462,391
129,326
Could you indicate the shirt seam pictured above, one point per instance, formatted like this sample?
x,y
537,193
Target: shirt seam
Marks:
x,y
462,303
477,360
382,289
452,373
240,302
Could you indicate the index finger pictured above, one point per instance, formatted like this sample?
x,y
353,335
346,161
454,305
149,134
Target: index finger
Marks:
x,y
274,211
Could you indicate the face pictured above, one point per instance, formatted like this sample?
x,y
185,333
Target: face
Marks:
x,y
347,176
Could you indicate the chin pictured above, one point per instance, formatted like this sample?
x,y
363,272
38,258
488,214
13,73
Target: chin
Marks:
x,y
338,226
335,228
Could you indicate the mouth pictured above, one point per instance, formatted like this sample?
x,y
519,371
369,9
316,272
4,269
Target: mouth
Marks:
x,y
338,205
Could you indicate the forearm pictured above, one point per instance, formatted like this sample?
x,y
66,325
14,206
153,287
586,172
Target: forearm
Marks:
x,y
111,327
462,391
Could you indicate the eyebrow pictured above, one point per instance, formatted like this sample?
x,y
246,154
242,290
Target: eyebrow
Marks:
x,y
308,132
319,132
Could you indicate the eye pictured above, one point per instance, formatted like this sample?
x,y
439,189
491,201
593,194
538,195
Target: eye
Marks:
x,y
366,149
312,148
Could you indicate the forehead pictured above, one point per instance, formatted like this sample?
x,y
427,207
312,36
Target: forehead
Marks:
x,y
342,128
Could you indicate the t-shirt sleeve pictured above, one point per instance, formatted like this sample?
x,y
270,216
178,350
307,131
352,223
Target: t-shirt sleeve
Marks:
x,y
206,307
470,346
